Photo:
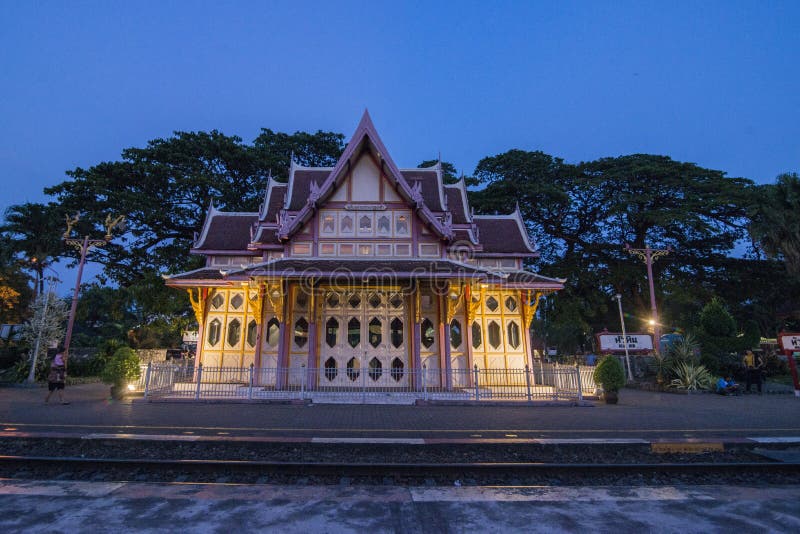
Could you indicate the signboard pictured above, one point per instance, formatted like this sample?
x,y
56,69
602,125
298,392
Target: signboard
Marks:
x,y
790,342
616,342
190,337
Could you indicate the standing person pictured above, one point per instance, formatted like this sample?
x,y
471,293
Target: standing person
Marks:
x,y
753,364
57,376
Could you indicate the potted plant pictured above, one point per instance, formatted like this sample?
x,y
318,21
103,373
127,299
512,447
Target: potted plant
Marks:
x,y
121,368
610,375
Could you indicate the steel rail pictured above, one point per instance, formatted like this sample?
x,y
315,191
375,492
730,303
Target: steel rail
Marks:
x,y
413,470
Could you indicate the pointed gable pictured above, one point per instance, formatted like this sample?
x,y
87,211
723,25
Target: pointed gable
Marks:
x,y
364,138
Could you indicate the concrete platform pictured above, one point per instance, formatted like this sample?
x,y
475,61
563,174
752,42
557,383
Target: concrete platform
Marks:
x,y
640,415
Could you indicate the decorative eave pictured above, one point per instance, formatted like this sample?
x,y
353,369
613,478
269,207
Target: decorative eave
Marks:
x,y
262,212
202,277
206,224
220,252
517,217
461,186
365,132
529,280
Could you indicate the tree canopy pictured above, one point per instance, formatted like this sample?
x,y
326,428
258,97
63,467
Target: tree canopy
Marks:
x,y
776,220
165,189
581,215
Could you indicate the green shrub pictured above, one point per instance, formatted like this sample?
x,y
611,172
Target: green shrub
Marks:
x,y
691,377
609,373
122,367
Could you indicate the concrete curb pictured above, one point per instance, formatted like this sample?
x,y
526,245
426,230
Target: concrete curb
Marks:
x,y
657,445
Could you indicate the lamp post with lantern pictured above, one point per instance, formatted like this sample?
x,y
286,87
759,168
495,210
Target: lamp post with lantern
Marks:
x,y
649,255
83,246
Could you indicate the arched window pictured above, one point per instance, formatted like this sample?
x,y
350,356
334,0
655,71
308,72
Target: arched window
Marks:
x,y
332,300
513,335
384,226
331,332
477,338
330,369
455,334
375,368
401,225
273,332
328,224
427,333
353,368
214,331
234,332
374,300
397,369
375,332
354,332
252,332
511,304
396,332
347,224
301,332
494,334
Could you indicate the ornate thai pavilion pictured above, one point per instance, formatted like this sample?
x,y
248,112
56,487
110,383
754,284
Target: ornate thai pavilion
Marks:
x,y
365,266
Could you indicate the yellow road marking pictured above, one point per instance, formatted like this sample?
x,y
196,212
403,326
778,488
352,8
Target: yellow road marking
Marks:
x,y
663,448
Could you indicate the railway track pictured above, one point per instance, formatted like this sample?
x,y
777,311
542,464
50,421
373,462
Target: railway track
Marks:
x,y
478,473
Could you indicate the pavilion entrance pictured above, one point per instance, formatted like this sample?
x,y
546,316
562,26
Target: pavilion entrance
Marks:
x,y
364,341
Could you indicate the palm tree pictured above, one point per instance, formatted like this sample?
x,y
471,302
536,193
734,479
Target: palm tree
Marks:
x,y
776,220
34,233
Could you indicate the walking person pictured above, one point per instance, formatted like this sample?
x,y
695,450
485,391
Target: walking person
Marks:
x,y
57,377
753,365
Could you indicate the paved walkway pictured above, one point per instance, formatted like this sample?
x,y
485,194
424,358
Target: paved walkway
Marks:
x,y
639,415
27,506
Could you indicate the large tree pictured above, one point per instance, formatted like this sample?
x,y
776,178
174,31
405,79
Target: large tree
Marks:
x,y
15,291
776,220
164,190
583,215
32,233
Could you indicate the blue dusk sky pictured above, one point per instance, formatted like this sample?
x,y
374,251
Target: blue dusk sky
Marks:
x,y
715,83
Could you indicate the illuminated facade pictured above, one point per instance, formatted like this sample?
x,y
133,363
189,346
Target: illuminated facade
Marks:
x,y
365,267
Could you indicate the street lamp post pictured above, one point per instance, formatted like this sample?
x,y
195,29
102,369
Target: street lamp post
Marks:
x,y
83,245
618,298
51,285
649,255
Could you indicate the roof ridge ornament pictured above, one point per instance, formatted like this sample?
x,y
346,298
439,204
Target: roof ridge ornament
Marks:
x,y
314,192
416,192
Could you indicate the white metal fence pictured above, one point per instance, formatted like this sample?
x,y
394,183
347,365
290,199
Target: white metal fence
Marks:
x,y
546,382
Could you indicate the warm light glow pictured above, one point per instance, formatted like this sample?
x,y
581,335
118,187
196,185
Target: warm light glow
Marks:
x,y
651,322
453,295
131,387
276,294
